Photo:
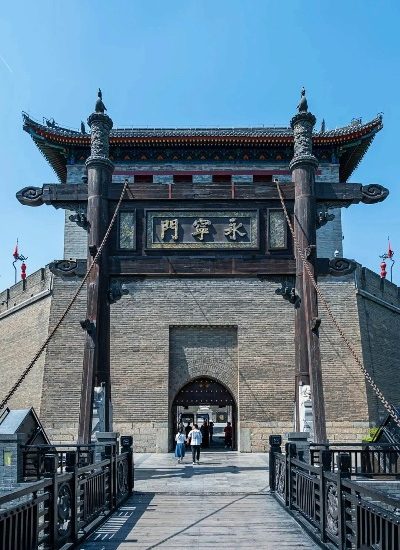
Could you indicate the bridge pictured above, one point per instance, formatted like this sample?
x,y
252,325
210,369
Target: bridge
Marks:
x,y
329,496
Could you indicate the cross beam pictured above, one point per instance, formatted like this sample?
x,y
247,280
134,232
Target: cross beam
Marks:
x,y
333,195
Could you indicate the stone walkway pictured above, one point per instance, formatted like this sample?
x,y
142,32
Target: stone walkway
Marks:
x,y
221,503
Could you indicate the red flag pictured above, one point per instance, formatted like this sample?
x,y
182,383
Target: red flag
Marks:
x,y
16,253
390,252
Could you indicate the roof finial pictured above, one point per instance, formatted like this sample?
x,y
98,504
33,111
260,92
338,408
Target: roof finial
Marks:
x,y
302,107
100,107
322,126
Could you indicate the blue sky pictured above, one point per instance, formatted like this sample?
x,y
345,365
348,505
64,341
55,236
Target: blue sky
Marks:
x,y
196,63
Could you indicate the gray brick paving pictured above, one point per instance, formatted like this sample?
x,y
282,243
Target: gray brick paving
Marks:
x,y
222,503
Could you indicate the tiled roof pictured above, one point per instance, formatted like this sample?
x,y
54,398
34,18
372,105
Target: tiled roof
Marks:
x,y
52,139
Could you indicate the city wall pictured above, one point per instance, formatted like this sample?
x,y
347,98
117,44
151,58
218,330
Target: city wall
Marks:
x,y
160,339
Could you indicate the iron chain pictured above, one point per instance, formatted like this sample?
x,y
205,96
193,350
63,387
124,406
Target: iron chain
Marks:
x,y
390,409
69,306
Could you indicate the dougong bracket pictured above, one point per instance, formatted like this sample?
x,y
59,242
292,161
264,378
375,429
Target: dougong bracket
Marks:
x,y
68,268
116,291
288,292
323,216
80,219
341,266
31,196
373,193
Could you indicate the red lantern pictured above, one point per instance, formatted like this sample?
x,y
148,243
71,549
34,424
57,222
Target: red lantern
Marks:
x,y
23,271
383,270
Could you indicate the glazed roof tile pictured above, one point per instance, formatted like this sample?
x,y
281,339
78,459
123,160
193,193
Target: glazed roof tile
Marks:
x,y
354,138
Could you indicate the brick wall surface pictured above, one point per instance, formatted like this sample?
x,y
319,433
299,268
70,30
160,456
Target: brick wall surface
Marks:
x,y
172,313
62,376
346,402
211,350
23,329
75,237
168,331
330,235
378,304
140,338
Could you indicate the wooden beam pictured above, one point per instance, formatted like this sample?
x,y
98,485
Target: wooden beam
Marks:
x,y
344,194
192,266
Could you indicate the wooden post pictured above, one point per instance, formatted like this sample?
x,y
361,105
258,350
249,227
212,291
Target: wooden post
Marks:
x,y
96,356
307,351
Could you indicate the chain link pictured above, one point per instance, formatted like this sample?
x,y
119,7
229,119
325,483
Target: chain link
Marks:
x,y
390,409
69,306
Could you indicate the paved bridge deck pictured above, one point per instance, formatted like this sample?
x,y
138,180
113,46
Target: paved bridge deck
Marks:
x,y
221,503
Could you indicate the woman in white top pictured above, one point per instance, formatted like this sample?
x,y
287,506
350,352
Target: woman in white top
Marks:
x,y
180,445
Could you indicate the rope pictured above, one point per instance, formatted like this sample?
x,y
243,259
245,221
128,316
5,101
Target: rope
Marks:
x,y
69,306
390,409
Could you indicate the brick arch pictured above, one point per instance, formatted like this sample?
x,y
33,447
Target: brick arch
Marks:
x,y
212,391
199,350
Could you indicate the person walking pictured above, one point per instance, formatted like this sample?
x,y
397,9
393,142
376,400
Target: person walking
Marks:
x,y
180,446
211,426
195,438
205,433
188,429
228,435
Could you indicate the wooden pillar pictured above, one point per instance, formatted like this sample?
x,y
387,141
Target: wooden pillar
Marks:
x,y
96,352
308,360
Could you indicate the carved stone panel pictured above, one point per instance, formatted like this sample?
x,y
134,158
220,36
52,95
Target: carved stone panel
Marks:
x,y
210,229
127,230
277,230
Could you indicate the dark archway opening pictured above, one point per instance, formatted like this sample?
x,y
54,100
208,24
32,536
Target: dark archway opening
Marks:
x,y
206,399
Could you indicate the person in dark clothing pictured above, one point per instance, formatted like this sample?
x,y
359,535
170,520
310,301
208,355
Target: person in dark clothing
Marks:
x,y
188,429
205,432
228,435
211,427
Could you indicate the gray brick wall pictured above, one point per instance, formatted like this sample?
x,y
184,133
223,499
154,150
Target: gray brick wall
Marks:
x,y
24,321
75,237
330,235
344,384
62,376
378,303
209,350
140,331
166,331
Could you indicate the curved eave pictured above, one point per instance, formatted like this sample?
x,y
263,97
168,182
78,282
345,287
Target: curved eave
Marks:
x,y
351,142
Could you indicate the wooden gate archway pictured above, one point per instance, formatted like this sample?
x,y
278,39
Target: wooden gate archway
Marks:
x,y
205,390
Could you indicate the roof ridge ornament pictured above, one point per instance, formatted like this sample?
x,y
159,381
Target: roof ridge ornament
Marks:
x,y
302,107
302,125
100,125
100,107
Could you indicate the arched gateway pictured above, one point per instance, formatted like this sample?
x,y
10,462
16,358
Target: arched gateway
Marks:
x,y
205,398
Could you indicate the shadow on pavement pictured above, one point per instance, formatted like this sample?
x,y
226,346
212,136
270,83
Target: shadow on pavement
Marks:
x,y
119,525
188,470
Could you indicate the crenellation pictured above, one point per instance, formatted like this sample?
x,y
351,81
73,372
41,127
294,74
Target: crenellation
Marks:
x,y
35,283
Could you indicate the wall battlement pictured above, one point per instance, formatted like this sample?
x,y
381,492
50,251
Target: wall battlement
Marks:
x,y
382,289
23,291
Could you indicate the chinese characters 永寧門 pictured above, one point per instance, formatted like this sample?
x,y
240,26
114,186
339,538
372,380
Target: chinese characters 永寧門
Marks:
x,y
202,229
166,225
234,229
